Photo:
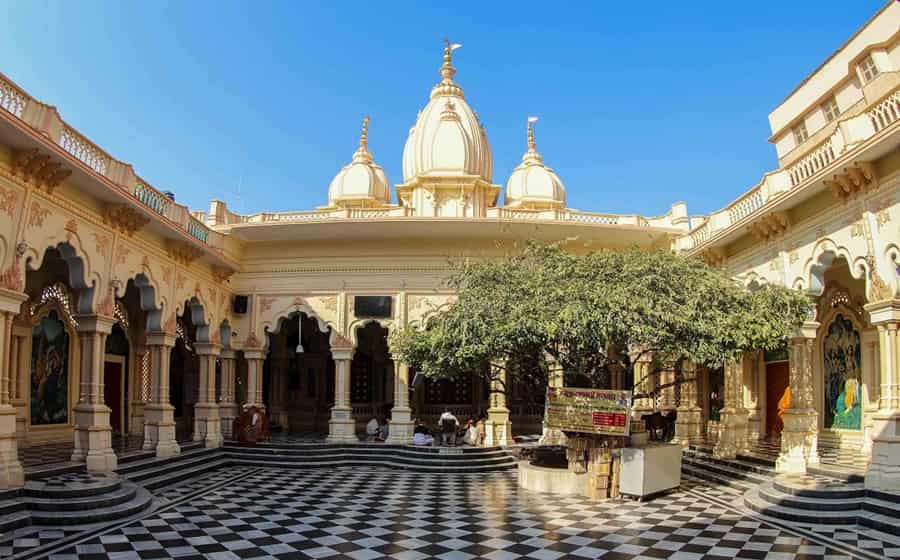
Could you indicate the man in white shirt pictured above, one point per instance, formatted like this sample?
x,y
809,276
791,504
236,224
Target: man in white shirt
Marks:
x,y
449,424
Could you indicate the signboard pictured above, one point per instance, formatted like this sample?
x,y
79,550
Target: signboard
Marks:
x,y
593,411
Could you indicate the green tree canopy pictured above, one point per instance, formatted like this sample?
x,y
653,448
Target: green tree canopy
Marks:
x,y
592,313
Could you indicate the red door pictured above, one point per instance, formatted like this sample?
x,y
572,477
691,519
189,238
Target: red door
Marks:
x,y
112,393
777,382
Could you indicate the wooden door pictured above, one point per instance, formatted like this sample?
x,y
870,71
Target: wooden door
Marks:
x,y
113,374
777,383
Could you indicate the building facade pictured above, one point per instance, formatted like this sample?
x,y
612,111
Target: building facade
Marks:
x,y
123,312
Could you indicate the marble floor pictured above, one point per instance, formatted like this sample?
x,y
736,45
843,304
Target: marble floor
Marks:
x,y
367,514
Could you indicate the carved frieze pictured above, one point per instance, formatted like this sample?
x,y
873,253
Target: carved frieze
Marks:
x,y
124,218
852,180
183,252
39,169
769,226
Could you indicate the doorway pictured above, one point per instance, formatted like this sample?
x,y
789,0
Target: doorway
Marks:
x,y
113,391
777,383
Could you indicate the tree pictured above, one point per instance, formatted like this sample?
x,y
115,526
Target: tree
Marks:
x,y
590,314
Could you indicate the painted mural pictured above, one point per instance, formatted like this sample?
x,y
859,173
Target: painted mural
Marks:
x,y
843,395
49,372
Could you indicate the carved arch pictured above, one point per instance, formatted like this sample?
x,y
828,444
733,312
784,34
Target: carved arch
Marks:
x,y
81,278
823,256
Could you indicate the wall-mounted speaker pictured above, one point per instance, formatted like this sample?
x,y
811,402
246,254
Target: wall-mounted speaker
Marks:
x,y
239,306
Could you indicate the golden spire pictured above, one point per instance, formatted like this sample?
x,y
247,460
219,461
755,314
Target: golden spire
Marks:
x,y
531,145
447,86
362,153
531,154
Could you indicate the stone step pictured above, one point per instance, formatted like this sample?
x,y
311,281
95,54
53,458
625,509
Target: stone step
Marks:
x,y
139,502
756,503
879,522
698,472
358,462
740,464
817,487
120,495
12,506
772,494
890,508
726,470
343,456
368,448
72,486
154,479
12,521
159,465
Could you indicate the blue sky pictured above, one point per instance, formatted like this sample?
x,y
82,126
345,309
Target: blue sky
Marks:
x,y
641,103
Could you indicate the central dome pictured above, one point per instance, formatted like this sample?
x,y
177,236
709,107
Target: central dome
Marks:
x,y
448,138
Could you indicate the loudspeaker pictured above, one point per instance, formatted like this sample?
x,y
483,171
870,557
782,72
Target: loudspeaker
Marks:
x,y
239,306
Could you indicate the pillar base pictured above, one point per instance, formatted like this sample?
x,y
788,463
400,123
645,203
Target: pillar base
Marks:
x,y
884,470
227,413
400,428
11,473
799,440
688,426
498,430
93,438
207,425
733,435
341,427
159,430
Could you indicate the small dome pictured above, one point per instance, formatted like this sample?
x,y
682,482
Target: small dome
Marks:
x,y
532,183
362,182
448,138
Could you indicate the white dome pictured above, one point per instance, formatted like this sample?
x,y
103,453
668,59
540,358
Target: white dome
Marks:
x,y
532,183
362,182
448,138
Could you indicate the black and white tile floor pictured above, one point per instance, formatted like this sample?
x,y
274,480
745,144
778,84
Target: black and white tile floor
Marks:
x,y
366,515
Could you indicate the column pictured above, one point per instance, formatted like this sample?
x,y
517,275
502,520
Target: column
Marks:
x,y
498,430
207,425
884,469
228,407
688,422
93,434
800,434
159,414
11,473
254,391
20,376
644,383
278,371
341,426
555,379
401,426
733,422
135,389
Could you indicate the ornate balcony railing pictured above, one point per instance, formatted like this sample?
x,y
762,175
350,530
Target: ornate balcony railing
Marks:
x,y
847,136
45,119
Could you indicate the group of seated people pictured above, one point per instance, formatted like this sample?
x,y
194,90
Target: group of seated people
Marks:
x,y
450,431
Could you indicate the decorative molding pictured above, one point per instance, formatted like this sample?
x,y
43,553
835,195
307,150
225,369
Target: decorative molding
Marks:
x,y
12,278
183,253
770,225
38,169
852,180
341,342
714,257
37,214
167,275
878,288
9,199
102,243
124,218
222,274
122,252
252,341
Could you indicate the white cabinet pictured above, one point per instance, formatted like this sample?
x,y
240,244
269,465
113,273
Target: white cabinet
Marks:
x,y
647,470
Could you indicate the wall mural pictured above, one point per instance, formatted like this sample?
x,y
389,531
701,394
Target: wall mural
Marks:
x,y
843,407
49,372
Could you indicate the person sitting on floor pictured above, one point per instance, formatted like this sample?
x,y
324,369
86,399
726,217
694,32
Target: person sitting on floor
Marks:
x,y
449,424
470,432
372,429
421,435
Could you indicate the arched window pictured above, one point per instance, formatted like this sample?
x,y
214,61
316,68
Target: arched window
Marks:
x,y
49,371
841,365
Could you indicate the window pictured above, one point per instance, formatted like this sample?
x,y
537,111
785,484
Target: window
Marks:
x,y
800,134
867,69
830,109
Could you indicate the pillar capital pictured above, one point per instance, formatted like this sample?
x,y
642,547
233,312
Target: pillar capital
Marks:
x,y
160,339
95,323
207,348
254,354
11,300
227,354
885,312
342,353
806,330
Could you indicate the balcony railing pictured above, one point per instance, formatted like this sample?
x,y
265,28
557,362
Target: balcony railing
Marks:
x,y
45,119
849,134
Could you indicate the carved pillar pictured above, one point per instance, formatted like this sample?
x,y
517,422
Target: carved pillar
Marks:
x,y
159,414
278,371
11,473
733,422
644,383
688,422
228,406
401,426
498,429
20,375
884,469
754,393
207,425
341,426
92,431
556,379
255,360
136,389
799,437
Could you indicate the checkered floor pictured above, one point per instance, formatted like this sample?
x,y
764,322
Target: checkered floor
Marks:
x,y
365,515
61,452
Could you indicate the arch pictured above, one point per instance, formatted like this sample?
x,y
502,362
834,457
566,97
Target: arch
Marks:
x,y
80,277
196,311
53,302
224,333
274,322
354,327
824,254
754,281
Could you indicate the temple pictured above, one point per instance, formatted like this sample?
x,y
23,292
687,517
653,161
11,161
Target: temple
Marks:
x,y
129,321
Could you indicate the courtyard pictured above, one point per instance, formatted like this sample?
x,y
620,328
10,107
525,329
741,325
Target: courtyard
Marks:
x,y
367,514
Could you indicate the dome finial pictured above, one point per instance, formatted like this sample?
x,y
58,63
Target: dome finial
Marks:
x,y
362,153
532,153
447,69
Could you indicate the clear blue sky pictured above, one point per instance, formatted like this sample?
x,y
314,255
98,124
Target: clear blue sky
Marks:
x,y
641,103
